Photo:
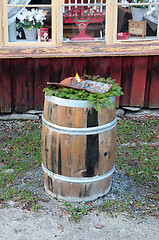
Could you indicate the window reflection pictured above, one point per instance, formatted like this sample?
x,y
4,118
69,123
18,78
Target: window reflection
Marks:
x,y
136,22
24,21
84,20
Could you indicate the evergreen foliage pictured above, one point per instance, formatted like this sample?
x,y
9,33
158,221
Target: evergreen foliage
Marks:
x,y
94,99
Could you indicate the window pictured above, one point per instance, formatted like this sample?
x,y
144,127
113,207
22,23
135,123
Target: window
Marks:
x,y
28,21
84,20
137,19
57,22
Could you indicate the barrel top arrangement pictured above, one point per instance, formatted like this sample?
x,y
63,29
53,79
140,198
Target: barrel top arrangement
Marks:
x,y
87,85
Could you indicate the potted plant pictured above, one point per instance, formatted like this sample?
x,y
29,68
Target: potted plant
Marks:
x,y
30,20
138,10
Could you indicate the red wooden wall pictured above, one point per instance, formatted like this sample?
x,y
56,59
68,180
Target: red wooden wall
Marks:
x,y
22,80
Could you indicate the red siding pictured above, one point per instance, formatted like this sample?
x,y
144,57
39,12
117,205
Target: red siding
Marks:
x,y
115,72
154,87
138,83
126,79
22,80
5,86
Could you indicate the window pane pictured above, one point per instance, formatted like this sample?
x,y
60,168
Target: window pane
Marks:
x,y
26,2
84,20
26,21
139,21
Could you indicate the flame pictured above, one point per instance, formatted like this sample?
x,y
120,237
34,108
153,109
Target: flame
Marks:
x,y
78,79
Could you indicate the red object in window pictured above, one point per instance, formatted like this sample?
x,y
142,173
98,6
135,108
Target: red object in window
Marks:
x,y
43,35
77,17
122,36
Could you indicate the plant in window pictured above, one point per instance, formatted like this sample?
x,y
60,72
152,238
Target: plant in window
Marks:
x,y
138,10
31,19
139,1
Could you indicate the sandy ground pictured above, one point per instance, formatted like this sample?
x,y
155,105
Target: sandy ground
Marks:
x,y
52,223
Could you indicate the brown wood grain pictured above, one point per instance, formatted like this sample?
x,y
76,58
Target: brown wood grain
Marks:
x,y
68,154
82,50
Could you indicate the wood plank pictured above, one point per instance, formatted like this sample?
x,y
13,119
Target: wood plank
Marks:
x,y
103,68
67,70
55,70
148,81
20,85
30,63
126,78
79,66
138,83
92,66
42,76
77,151
115,73
154,88
5,86
43,145
81,50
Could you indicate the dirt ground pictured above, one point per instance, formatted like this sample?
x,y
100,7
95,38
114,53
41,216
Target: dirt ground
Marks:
x,y
51,223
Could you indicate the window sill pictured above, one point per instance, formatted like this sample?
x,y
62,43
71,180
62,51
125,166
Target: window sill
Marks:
x,y
82,50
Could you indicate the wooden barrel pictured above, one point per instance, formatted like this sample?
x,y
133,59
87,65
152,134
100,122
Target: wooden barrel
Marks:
x,y
78,149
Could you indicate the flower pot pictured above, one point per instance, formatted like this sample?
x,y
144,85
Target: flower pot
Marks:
x,y
12,32
30,34
137,13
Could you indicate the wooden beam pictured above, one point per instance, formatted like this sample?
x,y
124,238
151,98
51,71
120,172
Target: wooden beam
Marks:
x,y
95,49
59,24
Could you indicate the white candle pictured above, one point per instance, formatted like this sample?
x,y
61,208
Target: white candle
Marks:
x,y
101,35
95,1
69,6
88,1
101,6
